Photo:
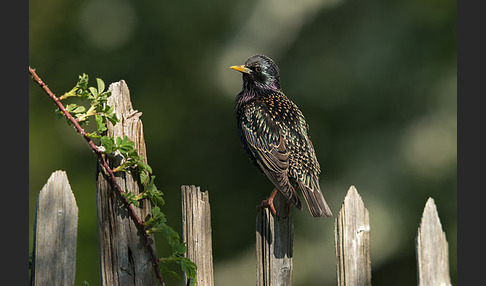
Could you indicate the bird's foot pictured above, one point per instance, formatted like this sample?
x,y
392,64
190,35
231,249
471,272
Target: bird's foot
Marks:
x,y
268,203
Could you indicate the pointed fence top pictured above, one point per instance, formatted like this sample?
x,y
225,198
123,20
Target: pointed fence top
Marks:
x,y
58,182
352,241
352,194
432,249
55,233
430,214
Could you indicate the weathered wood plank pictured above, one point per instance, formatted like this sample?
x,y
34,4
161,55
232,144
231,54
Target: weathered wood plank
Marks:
x,y
352,241
196,233
274,245
124,258
55,233
432,249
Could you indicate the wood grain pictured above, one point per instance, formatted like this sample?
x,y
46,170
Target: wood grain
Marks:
x,y
124,258
274,245
432,249
55,233
196,233
352,241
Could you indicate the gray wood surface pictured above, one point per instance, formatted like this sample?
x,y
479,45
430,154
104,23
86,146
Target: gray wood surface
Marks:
x,y
196,232
352,241
124,258
274,245
55,233
432,249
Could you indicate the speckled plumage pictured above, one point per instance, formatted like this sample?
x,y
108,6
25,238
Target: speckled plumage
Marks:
x,y
274,133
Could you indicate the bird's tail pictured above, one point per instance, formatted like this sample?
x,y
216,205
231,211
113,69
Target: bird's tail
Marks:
x,y
315,200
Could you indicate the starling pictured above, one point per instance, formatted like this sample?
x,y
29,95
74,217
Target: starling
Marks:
x,y
275,135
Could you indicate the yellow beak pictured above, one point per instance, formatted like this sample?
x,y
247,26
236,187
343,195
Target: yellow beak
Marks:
x,y
241,68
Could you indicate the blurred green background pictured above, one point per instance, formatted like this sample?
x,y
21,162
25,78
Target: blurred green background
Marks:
x,y
376,81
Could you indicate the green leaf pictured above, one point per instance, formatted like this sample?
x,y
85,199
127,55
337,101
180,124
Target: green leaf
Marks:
x,y
131,198
144,167
144,178
126,147
179,248
165,270
71,107
110,114
101,85
170,234
112,118
193,281
155,196
160,201
79,109
82,83
93,91
103,97
108,143
189,267
100,123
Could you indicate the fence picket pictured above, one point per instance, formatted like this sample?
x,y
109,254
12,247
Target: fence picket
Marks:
x,y
196,233
124,258
55,233
274,245
352,241
432,249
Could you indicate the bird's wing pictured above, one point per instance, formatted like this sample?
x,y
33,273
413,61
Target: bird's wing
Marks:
x,y
305,168
304,165
268,147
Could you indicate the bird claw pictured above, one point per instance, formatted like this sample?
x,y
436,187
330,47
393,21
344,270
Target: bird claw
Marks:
x,y
268,203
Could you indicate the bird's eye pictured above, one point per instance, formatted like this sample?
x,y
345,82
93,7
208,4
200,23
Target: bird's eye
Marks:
x,y
258,69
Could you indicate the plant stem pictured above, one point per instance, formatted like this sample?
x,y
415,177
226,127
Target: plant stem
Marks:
x,y
106,167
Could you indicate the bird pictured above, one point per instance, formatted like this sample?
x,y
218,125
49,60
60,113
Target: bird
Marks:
x,y
275,136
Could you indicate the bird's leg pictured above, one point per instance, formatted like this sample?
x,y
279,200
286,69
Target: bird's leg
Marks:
x,y
268,203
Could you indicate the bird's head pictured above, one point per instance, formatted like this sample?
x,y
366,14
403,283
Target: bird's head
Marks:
x,y
259,72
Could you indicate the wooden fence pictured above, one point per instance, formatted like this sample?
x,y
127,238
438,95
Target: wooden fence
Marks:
x,y
55,231
125,261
